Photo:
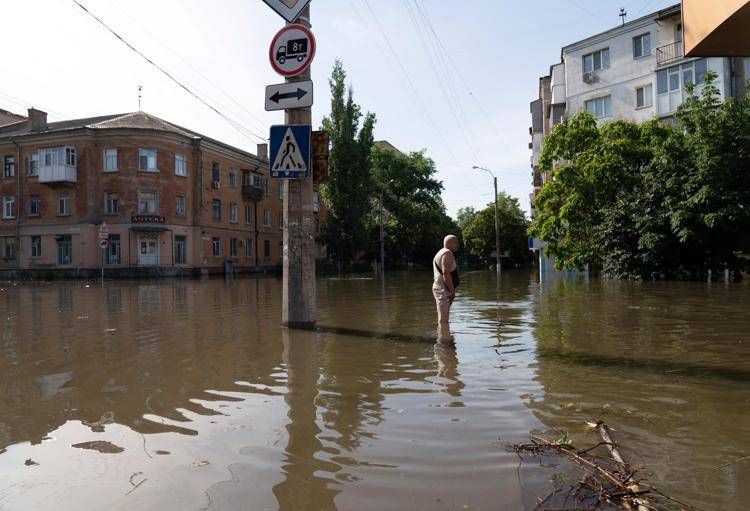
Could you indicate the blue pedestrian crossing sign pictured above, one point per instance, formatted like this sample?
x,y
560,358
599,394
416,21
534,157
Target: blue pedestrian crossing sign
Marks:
x,y
289,157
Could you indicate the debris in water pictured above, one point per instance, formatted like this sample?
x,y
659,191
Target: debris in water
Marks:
x,y
30,463
202,463
101,446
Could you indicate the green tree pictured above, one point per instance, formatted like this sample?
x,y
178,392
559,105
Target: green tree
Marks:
x,y
464,216
479,234
652,199
416,221
347,192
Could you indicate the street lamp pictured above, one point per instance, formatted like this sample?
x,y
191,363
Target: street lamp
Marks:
x,y
498,266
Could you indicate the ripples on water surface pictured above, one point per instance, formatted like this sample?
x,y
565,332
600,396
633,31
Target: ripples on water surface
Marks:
x,y
179,395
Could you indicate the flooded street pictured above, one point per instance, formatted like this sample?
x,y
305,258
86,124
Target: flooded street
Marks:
x,y
188,395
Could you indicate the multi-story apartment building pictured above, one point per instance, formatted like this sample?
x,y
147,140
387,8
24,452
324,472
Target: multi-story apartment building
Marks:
x,y
636,71
168,200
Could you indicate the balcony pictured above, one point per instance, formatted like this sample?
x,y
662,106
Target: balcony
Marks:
x,y
252,192
668,53
57,174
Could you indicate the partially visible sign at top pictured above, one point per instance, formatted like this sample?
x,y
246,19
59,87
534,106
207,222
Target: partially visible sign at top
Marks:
x,y
288,9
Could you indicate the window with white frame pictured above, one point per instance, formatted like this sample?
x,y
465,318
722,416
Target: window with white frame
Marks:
x,y
34,164
266,186
35,205
147,160
65,249
216,246
36,246
113,250
644,96
257,181
110,160
180,165
148,202
180,208
232,178
233,247
180,249
8,245
596,60
249,248
70,156
63,204
266,217
9,207
215,172
600,107
111,203
641,46
9,166
234,210
671,82
217,209
249,214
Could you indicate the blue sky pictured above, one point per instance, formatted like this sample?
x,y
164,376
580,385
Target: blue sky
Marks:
x,y
459,89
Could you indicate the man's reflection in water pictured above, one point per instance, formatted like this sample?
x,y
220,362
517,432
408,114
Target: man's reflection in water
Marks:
x,y
447,367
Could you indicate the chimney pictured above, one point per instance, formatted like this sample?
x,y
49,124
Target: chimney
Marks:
x,y
262,151
37,119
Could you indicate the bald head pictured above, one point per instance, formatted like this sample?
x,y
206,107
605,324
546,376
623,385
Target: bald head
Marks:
x,y
450,242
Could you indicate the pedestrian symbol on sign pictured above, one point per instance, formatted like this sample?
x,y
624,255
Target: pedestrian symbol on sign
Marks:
x,y
289,156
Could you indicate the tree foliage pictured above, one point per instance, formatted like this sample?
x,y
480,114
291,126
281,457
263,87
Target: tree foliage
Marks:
x,y
637,201
347,192
479,231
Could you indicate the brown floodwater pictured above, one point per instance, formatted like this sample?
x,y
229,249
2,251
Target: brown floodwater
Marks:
x,y
188,395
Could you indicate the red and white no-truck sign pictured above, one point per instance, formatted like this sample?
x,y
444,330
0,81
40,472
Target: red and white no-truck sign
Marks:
x,y
292,50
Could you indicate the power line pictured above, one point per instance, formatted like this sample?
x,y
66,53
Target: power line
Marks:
x,y
189,65
645,6
26,104
237,126
408,79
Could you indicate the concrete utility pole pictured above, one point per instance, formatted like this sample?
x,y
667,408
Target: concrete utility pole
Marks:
x,y
299,295
498,264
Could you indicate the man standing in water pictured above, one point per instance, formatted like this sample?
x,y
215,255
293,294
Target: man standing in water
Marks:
x,y
445,281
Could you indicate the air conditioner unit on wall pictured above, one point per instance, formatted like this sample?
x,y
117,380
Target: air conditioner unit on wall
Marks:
x,y
215,184
590,77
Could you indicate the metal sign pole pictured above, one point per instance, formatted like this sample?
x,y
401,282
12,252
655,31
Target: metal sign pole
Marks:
x,y
299,294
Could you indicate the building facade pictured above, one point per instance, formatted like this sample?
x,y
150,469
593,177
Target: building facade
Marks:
x,y
166,200
636,71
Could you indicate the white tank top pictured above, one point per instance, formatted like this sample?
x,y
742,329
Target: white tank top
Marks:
x,y
438,260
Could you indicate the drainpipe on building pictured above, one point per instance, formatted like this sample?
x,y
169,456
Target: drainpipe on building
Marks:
x,y
19,207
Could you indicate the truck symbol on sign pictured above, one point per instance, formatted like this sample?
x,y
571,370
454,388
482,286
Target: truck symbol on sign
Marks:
x,y
294,48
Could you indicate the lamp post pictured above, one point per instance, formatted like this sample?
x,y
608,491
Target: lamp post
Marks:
x,y
498,265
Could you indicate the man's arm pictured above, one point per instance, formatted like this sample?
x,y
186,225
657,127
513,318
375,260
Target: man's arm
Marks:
x,y
447,277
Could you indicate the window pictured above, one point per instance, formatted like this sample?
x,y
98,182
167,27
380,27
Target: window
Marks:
x,y
644,96
111,201
316,202
266,249
216,246
600,107
217,209
147,160
8,247
8,207
110,160
215,172
281,189
35,205
9,169
64,249
180,165
249,248
180,250
233,247
234,209
246,179
257,181
248,215
641,46
281,220
266,186
596,60
233,178
266,217
148,202
671,82
747,68
180,208
63,203
34,164
113,249
70,156
36,246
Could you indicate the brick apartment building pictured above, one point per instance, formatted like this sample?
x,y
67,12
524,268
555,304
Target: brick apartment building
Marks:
x,y
174,201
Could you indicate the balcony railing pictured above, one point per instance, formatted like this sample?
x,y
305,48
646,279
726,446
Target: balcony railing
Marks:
x,y
668,53
252,192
